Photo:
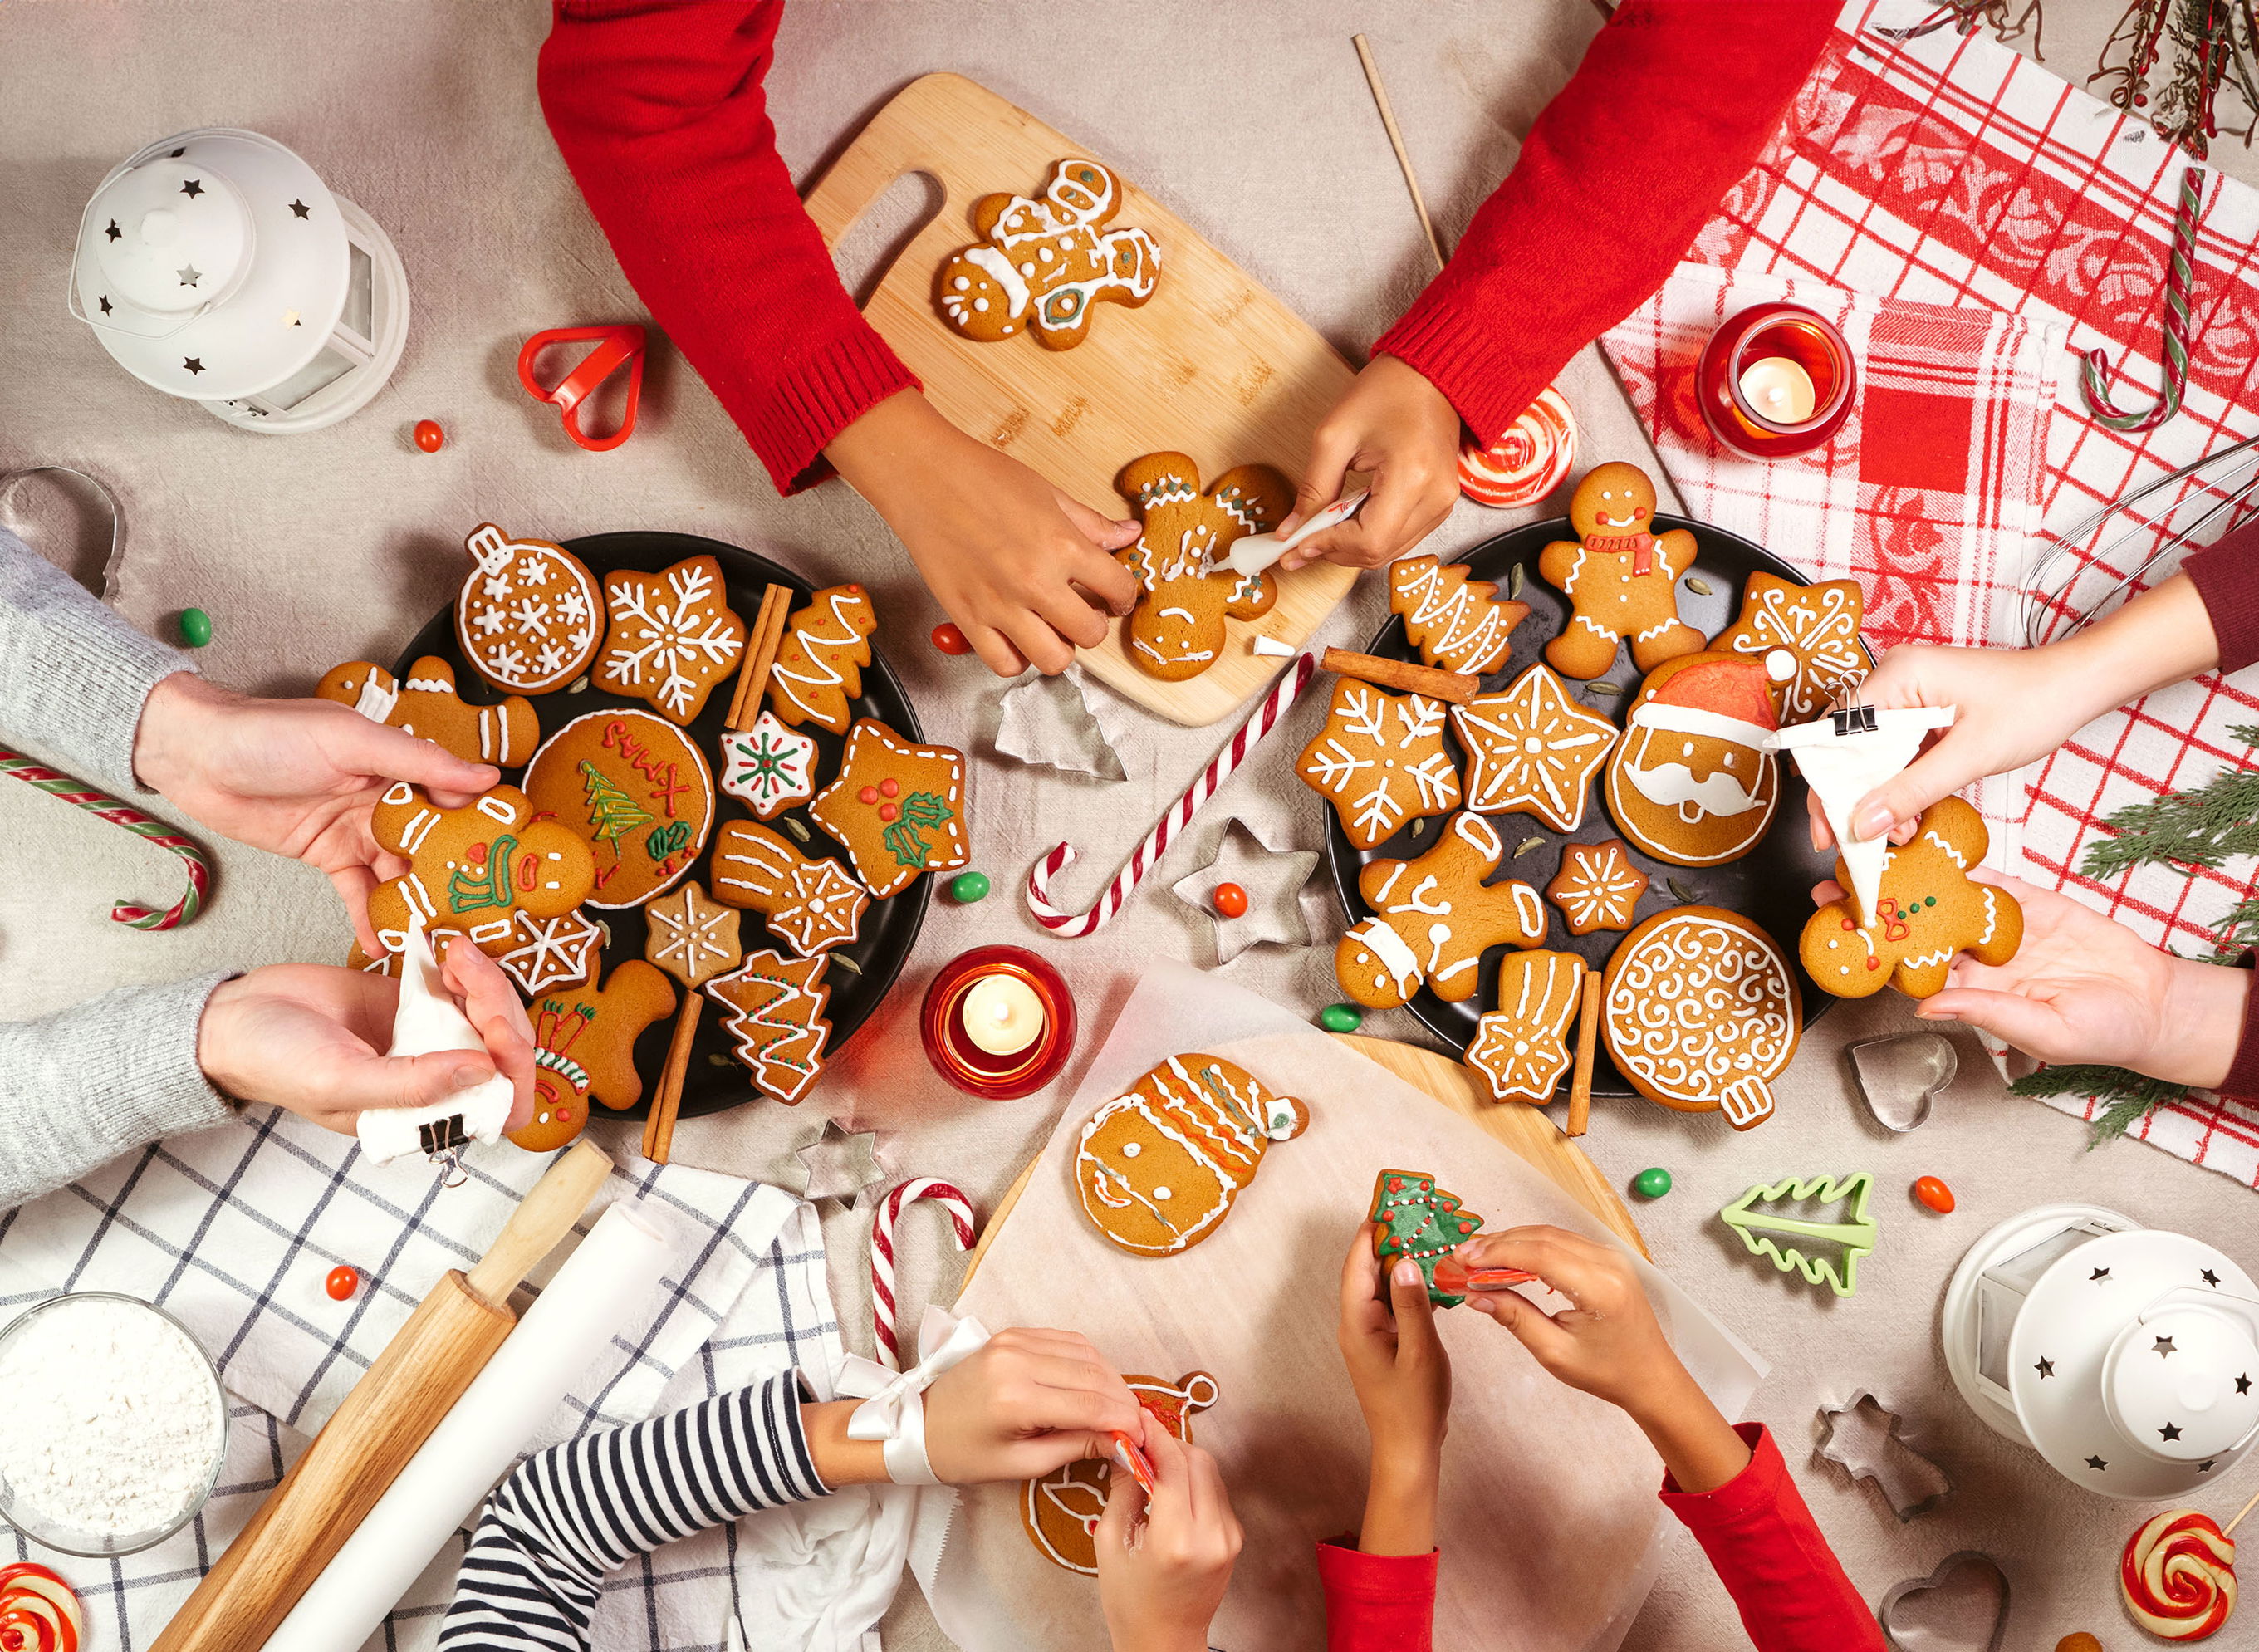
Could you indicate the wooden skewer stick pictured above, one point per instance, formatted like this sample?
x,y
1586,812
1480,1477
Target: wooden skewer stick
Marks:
x,y
1396,142
1581,1078
761,645
1454,687
2228,1530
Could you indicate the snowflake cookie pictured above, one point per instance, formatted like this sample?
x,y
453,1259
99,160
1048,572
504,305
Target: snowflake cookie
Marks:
x,y
559,951
1521,1047
1380,761
689,937
673,636
1597,888
1532,749
529,617
768,766
1808,637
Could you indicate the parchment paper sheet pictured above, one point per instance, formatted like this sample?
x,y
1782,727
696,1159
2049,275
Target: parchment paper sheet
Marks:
x,y
1549,1515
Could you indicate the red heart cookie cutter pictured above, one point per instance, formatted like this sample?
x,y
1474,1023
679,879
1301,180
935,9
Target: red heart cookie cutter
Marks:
x,y
616,346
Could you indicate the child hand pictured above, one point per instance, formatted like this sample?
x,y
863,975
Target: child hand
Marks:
x,y
1395,427
1608,1343
1161,1581
1402,1377
1026,1402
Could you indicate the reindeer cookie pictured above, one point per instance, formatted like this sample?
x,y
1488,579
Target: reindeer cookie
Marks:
x,y
529,617
1042,264
811,905
1929,911
637,788
1380,761
1160,1166
1176,630
819,665
584,1041
1061,1510
427,706
1808,637
1433,918
1622,579
1521,1047
673,636
475,868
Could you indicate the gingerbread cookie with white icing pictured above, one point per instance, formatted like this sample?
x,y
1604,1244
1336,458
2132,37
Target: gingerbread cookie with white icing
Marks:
x,y
427,706
1694,780
1808,636
1379,760
1597,887
1620,577
1043,263
1701,1013
473,869
1160,1166
1061,1510
584,1039
1929,912
673,636
1456,623
1434,917
1532,749
1521,1047
529,617
638,789
819,665
776,1021
811,906
1177,630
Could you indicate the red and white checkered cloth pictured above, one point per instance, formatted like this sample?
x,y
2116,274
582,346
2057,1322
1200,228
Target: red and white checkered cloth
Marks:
x,y
1972,221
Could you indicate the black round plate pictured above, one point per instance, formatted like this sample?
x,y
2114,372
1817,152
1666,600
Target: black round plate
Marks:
x,y
1771,884
714,1082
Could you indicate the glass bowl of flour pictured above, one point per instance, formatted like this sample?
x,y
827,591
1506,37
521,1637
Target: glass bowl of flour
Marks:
x,y
112,1424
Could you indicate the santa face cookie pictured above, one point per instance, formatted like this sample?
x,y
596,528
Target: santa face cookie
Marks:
x,y
1693,781
529,617
1456,623
1433,919
1929,912
584,1041
1160,1166
673,636
1177,630
1061,1510
474,869
1597,888
898,806
768,768
1042,264
811,906
427,706
1532,749
1380,761
638,789
1700,1013
776,1022
819,665
1521,1047
1620,577
1808,636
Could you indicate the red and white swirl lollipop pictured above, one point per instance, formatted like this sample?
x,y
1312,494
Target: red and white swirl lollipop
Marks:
x,y
2177,1576
1527,463
37,1610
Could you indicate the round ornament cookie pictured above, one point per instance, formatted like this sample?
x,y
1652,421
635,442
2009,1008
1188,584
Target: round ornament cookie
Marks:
x,y
638,789
1701,1013
1160,1166
1529,462
529,617
1061,1510
1695,781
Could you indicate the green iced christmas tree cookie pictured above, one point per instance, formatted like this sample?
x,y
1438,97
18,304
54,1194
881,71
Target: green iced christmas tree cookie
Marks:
x,y
1419,1219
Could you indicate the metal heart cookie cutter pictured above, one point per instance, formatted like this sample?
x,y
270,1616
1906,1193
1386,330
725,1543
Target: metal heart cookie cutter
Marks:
x,y
1899,1077
617,346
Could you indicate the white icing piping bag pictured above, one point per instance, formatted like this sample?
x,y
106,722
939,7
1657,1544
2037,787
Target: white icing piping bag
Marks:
x,y
1847,754
1258,550
429,1020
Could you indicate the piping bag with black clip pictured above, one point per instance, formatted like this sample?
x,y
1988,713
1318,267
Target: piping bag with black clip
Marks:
x,y
429,1021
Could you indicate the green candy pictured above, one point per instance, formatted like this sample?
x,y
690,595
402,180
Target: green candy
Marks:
x,y
196,627
968,886
1341,1018
1652,1183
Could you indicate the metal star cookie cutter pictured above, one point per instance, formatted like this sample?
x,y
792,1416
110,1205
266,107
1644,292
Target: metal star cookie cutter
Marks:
x,y
1948,1610
1049,721
8,483
1899,1077
838,1164
1273,880
1862,1434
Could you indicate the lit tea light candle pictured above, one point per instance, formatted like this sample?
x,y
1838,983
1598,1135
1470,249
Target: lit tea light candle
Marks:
x,y
1002,1015
998,1021
1779,390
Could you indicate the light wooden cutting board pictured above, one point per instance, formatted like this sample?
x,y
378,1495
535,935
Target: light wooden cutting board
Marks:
x,y
1212,366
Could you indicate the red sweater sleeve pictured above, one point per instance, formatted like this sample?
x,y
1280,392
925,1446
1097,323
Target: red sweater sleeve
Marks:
x,y
2226,575
1377,1603
658,108
1672,102
1768,1551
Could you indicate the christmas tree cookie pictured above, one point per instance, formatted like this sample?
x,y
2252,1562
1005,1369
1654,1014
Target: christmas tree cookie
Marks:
x,y
1456,623
1415,1218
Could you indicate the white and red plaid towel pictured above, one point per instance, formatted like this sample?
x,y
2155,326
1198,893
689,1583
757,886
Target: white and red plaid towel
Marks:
x,y
1974,221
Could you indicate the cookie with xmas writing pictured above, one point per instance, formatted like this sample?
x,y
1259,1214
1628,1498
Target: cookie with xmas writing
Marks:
x,y
1433,918
584,1039
1177,630
1694,780
1380,761
474,868
1532,749
811,906
638,789
1597,887
768,768
1061,1510
1042,262
1456,623
427,706
1807,635
1160,1166
898,806
1521,1047
1701,1013
1620,577
529,617
819,663
1928,913
775,1020
673,636
1412,1217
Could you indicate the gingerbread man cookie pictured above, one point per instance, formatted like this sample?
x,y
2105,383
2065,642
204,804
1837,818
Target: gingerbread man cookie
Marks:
x,y
1532,749
1929,912
1621,581
1597,888
819,665
1694,780
811,905
1177,630
673,636
638,789
1042,264
1521,1047
1807,635
1160,1166
529,617
1061,1510
1380,761
1433,918
475,868
768,768
427,706
776,1019
899,807
1700,1013
1456,623
584,1041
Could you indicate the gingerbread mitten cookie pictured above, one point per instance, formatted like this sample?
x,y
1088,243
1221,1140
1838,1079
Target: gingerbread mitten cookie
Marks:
x,y
1061,1510
427,706
1434,917
898,806
1807,635
1929,912
1177,630
584,1041
811,905
819,665
475,868
776,1021
673,636
1380,761
1456,623
529,617
1532,749
1521,1047
1700,1013
638,789
1042,264
1694,780
1621,581
1160,1166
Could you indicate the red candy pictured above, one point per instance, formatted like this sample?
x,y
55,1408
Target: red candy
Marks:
x,y
868,794
950,640
1934,1193
890,812
342,1282
1230,900
429,436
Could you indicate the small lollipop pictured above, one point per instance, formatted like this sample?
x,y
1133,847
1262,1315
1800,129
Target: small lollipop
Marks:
x,y
2177,1575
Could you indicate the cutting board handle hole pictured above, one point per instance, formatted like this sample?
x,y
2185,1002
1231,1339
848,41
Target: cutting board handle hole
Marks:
x,y
883,230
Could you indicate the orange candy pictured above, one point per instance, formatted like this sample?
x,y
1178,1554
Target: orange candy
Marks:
x,y
1934,1193
429,436
951,640
342,1282
1230,900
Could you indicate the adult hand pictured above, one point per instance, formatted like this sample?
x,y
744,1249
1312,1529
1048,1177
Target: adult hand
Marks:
x,y
1395,427
1160,1582
297,777
1027,573
1028,1401
310,1038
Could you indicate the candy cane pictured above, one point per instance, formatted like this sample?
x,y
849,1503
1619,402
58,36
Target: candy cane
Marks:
x,y
1266,718
103,807
882,1251
2179,278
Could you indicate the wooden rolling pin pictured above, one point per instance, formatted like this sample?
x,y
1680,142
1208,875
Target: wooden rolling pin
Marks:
x,y
378,1426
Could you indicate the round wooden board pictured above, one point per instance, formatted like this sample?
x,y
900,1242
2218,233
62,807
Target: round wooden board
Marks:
x,y
1527,1130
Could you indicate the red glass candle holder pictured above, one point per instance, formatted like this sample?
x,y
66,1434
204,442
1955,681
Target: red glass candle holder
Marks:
x,y
1789,330
956,1057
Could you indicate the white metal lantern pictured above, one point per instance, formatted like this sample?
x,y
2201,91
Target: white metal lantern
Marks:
x,y
2126,1357
217,267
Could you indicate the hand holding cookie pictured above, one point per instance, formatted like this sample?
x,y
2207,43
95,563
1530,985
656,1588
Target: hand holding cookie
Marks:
x,y
1395,427
1402,1375
1160,1587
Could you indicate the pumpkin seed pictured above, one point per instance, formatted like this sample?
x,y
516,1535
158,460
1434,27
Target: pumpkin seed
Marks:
x,y
1514,582
846,963
1686,895
1527,845
795,829
1699,586
1604,687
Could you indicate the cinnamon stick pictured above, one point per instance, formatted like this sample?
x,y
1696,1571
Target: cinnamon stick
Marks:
x,y
1581,1078
658,1128
1454,687
762,641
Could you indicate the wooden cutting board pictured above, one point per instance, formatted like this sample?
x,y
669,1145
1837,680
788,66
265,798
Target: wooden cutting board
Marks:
x,y
1527,1130
1212,366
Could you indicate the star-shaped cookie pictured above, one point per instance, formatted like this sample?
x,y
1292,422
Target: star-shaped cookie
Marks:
x,y
1597,888
1532,749
1380,761
898,806
689,937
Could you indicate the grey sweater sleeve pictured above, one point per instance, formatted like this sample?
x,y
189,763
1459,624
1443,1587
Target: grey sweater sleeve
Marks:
x,y
80,1086
73,674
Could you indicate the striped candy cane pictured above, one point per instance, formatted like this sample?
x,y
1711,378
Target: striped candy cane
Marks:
x,y
2094,369
1067,925
101,806
882,1251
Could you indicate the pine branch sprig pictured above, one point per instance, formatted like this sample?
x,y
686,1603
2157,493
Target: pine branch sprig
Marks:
x,y
2127,1097
2204,826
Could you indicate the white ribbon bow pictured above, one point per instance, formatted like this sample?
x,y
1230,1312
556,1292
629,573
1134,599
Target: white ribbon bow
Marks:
x,y
893,1413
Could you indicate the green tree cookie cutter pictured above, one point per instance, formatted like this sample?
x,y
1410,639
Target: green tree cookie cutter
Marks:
x,y
1853,1237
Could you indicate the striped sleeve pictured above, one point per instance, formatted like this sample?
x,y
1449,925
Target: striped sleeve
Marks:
x,y
568,1515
